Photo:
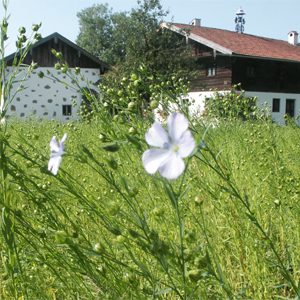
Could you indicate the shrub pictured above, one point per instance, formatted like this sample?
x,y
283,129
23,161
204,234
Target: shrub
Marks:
x,y
231,105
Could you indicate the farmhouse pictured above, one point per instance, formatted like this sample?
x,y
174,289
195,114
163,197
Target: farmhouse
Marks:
x,y
58,94
267,68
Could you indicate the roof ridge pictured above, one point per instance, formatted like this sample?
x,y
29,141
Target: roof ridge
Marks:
x,y
248,34
230,42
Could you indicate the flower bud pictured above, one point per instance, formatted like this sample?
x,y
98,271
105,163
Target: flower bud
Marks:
x,y
4,23
99,247
133,77
60,237
136,82
131,105
198,200
37,36
194,275
36,27
120,239
57,66
132,130
102,137
277,202
22,38
22,30
153,104
34,65
77,70
59,55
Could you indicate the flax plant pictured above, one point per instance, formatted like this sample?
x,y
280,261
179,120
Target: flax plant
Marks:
x,y
10,253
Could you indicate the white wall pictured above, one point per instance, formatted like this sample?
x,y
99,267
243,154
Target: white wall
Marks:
x,y
198,101
44,97
264,101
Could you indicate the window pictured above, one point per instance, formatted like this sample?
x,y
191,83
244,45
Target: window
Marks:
x,y
290,107
250,71
67,110
211,71
276,105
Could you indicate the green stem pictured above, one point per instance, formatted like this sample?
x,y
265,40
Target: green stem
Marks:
x,y
250,214
181,234
174,199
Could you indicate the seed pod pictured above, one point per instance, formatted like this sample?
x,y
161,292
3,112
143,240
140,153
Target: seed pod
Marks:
x,y
112,147
194,275
22,30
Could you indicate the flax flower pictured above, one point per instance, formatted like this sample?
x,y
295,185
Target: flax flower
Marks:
x,y
57,151
169,147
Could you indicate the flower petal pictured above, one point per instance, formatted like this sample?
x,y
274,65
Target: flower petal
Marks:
x,y
54,147
177,125
186,144
63,139
154,158
173,167
54,164
156,136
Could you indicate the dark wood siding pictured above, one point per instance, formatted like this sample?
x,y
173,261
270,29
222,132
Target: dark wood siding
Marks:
x,y
43,56
266,75
220,81
201,50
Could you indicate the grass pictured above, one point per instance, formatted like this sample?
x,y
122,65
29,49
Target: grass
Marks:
x,y
105,229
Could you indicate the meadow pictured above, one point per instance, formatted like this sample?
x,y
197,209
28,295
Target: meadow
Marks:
x,y
103,228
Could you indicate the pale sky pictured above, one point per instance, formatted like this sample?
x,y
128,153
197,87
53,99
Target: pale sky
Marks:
x,y
270,18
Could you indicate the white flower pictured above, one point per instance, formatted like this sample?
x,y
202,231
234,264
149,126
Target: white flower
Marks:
x,y
170,148
57,150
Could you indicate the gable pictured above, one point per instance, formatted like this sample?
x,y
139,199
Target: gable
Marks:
x,y
74,55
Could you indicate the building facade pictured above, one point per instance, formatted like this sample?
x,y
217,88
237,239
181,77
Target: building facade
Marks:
x,y
49,92
266,68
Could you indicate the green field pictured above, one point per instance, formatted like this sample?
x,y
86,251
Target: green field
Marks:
x,y
105,229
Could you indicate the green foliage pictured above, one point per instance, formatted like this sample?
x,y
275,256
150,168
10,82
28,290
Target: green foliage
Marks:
x,y
113,36
139,92
104,228
136,47
96,30
231,105
20,71
131,39
11,269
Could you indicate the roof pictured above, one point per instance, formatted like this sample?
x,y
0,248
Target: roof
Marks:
x,y
233,43
66,41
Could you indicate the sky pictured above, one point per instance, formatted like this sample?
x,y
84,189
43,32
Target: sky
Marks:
x,y
269,18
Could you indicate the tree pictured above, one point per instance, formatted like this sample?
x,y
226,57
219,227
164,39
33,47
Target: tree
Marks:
x,y
150,65
128,40
95,29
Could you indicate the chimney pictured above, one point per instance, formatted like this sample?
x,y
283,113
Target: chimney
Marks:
x,y
196,22
293,38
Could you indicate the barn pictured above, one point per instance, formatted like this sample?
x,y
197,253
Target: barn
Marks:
x,y
267,68
49,92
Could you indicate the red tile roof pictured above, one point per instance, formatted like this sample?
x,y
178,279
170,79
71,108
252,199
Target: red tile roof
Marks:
x,y
245,44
